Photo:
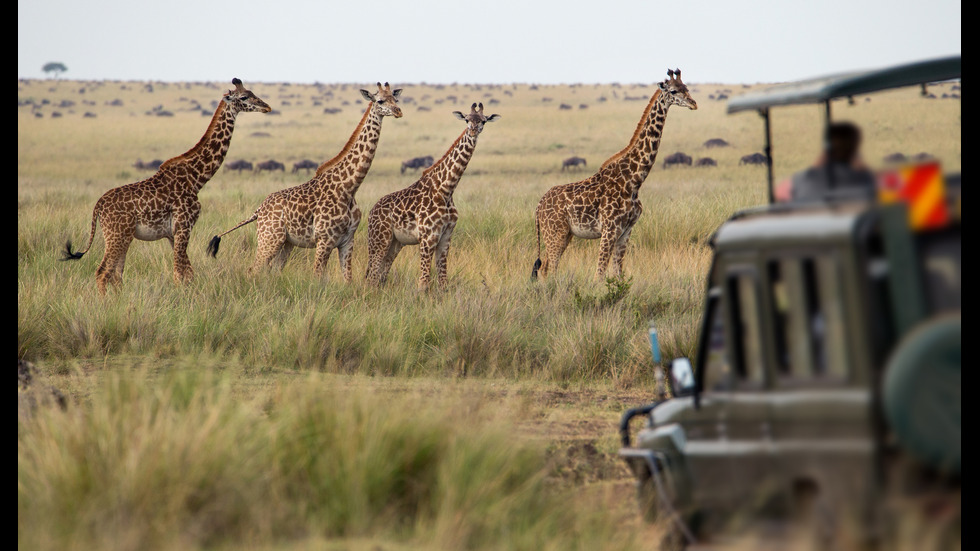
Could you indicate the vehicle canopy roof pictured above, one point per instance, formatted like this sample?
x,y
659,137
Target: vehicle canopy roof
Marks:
x,y
818,90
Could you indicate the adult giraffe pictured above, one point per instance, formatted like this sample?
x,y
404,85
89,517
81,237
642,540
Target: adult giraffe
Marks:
x,y
423,214
165,205
606,205
321,213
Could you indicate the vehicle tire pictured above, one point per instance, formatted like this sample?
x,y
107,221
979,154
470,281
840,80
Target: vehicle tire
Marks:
x,y
921,392
651,510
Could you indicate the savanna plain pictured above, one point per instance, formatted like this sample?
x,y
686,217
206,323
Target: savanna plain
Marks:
x,y
278,410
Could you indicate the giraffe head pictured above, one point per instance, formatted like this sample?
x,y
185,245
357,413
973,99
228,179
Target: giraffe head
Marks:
x,y
675,92
475,120
385,100
240,99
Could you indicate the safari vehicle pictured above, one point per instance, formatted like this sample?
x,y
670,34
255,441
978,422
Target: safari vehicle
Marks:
x,y
826,385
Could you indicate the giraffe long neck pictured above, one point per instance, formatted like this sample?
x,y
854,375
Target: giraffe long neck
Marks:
x,y
445,173
202,161
349,167
633,163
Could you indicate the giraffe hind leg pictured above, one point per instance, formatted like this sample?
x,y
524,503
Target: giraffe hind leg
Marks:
x,y
389,258
279,261
555,244
110,270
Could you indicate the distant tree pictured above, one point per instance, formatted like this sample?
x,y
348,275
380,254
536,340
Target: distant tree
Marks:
x,y
54,67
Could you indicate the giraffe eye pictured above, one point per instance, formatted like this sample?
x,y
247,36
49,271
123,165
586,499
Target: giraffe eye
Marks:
x,y
673,92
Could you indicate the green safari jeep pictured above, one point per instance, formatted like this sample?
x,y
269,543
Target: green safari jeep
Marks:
x,y
826,387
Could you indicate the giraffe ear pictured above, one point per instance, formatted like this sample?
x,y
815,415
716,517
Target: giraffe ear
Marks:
x,y
367,95
459,115
493,117
662,85
397,92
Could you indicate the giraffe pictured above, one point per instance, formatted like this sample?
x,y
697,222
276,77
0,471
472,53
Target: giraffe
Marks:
x,y
165,205
321,213
606,205
423,213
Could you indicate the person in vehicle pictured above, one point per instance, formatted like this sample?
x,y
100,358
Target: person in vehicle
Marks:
x,y
838,171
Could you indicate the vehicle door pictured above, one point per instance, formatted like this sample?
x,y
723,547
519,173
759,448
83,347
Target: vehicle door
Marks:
x,y
821,417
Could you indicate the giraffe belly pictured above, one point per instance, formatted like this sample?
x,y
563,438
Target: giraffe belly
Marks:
x,y
584,231
158,230
407,235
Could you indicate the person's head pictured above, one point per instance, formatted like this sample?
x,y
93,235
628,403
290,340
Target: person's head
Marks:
x,y
843,141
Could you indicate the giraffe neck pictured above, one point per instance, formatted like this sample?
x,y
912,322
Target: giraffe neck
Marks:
x,y
348,168
632,165
445,173
202,161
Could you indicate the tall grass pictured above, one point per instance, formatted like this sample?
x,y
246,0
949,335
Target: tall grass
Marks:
x,y
492,321
176,459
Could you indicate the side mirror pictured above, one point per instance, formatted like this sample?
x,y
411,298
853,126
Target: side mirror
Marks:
x,y
681,377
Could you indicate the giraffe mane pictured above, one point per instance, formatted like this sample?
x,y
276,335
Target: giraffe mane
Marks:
x,y
348,146
636,133
200,143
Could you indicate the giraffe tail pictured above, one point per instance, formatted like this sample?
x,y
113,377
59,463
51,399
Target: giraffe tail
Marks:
x,y
216,240
67,254
537,263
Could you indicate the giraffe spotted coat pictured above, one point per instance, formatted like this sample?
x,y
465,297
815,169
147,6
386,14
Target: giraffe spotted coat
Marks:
x,y
165,205
423,214
322,213
606,205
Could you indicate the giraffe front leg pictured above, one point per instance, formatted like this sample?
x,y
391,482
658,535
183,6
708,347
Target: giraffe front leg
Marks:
x,y
346,260
606,244
344,250
620,251
323,249
183,272
182,225
442,254
427,247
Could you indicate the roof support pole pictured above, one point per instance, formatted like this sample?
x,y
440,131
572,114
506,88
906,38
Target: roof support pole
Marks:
x,y
826,146
768,151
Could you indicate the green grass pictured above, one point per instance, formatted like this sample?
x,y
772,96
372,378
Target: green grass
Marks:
x,y
177,459
209,415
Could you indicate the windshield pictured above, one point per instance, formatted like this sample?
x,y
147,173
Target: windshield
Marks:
x,y
897,126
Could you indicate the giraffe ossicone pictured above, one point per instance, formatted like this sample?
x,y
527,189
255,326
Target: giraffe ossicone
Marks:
x,y
423,213
165,205
321,213
606,205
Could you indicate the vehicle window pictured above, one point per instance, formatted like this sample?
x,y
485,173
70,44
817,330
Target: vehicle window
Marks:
x,y
744,315
835,349
717,369
808,317
794,347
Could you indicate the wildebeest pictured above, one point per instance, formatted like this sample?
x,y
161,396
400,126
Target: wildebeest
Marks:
x,y
716,142
753,159
919,157
417,163
894,158
271,165
239,165
678,158
572,162
705,161
152,165
304,164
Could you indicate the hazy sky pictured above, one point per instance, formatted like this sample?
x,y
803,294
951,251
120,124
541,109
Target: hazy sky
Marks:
x,y
503,41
